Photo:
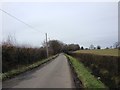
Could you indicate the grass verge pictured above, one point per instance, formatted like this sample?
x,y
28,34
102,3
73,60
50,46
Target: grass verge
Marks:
x,y
104,67
87,79
14,72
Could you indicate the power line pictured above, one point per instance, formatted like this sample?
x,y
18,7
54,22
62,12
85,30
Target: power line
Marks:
x,y
18,20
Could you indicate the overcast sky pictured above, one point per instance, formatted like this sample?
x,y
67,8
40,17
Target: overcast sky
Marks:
x,y
82,23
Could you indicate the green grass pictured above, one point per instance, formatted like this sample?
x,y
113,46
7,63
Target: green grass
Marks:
x,y
108,52
88,80
14,72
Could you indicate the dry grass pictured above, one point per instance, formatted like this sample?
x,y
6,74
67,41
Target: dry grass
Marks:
x,y
108,52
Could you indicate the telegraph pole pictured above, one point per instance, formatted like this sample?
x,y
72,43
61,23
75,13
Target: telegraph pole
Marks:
x,y
46,45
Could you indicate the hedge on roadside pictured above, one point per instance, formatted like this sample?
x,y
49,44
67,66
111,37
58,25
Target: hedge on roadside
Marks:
x,y
107,68
16,56
17,71
88,80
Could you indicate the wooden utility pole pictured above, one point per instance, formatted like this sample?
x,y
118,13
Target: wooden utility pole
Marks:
x,y
46,45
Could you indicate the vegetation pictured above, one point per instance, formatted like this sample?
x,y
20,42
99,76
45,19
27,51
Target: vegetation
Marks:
x,y
98,47
102,64
55,46
117,45
17,59
22,69
88,80
14,56
108,52
70,47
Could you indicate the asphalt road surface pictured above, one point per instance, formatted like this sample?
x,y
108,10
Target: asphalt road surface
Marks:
x,y
56,74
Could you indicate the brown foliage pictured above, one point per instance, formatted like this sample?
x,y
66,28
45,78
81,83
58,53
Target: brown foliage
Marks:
x,y
14,56
105,67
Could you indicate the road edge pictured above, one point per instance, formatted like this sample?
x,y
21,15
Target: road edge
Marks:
x,y
78,83
42,64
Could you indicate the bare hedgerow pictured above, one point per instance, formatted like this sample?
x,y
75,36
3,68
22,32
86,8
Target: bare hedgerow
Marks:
x,y
14,56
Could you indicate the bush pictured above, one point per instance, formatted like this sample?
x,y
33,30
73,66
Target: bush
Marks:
x,y
14,56
105,67
88,80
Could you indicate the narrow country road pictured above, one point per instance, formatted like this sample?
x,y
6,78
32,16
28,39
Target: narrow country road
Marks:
x,y
56,74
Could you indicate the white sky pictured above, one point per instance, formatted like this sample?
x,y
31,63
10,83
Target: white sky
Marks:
x,y
84,23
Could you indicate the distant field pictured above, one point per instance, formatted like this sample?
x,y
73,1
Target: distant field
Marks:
x,y
110,52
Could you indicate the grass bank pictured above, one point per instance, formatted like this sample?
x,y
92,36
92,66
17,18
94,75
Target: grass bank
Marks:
x,y
21,69
88,80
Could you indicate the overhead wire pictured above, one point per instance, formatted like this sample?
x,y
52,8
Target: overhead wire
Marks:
x,y
18,19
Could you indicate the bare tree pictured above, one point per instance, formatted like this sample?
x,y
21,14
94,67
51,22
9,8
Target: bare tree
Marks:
x,y
10,41
44,43
116,45
91,46
55,46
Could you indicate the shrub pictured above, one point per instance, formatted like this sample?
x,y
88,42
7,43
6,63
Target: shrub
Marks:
x,y
14,56
105,67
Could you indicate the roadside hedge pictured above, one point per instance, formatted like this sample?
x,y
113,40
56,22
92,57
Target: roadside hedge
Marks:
x,y
12,73
106,68
15,56
88,80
